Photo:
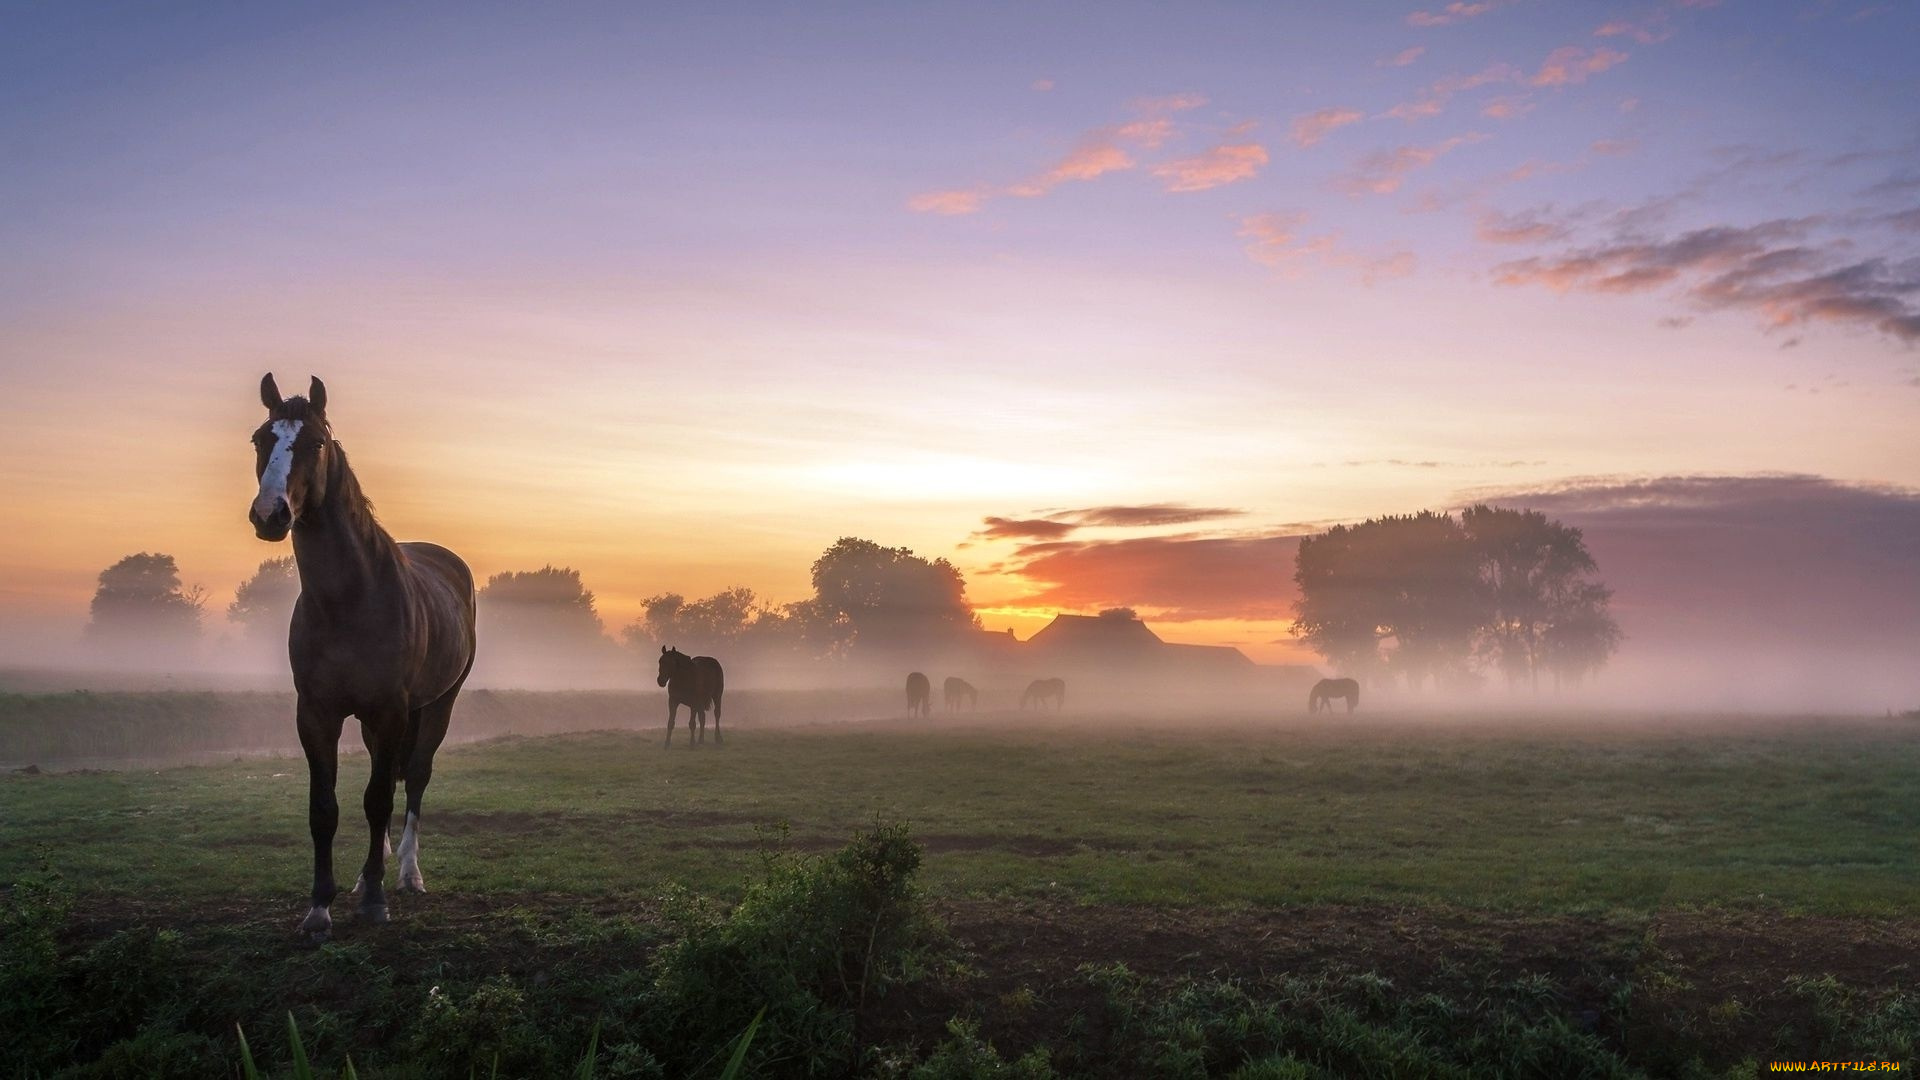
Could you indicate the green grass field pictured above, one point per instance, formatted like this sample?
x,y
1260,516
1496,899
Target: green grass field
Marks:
x,y
1646,848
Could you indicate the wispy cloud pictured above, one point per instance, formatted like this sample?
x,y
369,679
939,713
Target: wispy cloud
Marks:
x,y
1098,152
1056,524
1314,126
1459,11
1276,240
1004,528
1181,578
1771,269
1217,167
1650,30
1098,155
1571,64
1384,171
948,203
1497,228
1433,100
1401,58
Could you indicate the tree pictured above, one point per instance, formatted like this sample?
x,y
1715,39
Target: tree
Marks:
x,y
735,620
1543,611
140,602
263,604
1581,636
1505,587
1409,581
890,596
549,605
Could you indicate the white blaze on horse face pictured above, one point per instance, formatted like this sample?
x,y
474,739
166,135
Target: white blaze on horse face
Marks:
x,y
273,479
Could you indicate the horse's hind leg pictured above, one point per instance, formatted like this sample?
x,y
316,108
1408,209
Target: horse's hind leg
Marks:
x,y
430,730
384,732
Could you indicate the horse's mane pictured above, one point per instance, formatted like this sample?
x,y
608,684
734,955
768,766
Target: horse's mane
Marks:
x,y
346,498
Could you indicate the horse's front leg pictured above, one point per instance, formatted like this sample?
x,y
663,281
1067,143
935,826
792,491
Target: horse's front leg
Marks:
x,y
673,708
320,739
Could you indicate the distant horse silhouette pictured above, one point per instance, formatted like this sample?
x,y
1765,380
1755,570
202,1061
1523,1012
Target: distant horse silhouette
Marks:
x,y
383,631
919,695
696,682
957,690
1040,691
1324,691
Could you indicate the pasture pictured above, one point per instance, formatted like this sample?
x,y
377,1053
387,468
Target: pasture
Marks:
x,y
1621,895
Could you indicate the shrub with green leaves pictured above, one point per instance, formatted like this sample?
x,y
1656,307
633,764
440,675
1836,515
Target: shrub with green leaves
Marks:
x,y
811,943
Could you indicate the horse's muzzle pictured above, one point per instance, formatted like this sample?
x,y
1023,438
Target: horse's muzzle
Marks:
x,y
272,527
663,680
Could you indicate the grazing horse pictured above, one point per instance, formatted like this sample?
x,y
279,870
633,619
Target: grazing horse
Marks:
x,y
957,690
696,682
919,695
1324,691
1040,691
383,631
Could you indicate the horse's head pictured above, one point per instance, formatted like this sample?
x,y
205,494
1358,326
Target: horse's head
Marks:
x,y
671,661
290,458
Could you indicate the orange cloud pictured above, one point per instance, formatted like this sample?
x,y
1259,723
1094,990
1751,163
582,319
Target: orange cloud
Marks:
x,y
1497,228
1571,64
1043,85
1433,100
1402,58
1507,108
1311,128
1383,172
1100,151
1184,577
948,203
1217,167
1274,239
1649,31
1452,13
1093,158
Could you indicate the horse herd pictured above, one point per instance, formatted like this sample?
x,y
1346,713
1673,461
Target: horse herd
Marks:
x,y
956,692
385,632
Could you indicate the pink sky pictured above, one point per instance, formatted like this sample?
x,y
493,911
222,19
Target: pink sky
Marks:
x,y
679,299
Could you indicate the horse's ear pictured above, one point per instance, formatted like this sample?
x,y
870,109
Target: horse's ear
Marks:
x,y
269,393
663,650
316,394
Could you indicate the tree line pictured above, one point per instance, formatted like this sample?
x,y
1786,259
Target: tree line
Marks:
x,y
1436,599
1426,598
866,597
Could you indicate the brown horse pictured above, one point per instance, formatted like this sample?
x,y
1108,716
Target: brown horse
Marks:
x,y
1040,691
1324,691
696,682
382,631
956,691
919,695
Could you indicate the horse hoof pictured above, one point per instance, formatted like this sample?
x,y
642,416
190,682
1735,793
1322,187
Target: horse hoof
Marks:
x,y
373,913
416,887
359,884
318,925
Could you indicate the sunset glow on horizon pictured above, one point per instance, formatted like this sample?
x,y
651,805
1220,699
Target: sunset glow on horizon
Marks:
x,y
1108,305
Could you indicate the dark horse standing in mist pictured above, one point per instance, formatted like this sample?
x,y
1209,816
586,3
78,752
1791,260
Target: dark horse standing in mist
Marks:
x,y
1040,691
919,695
958,690
1324,691
696,682
383,631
